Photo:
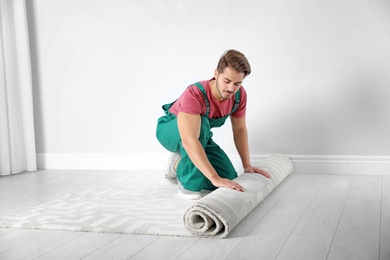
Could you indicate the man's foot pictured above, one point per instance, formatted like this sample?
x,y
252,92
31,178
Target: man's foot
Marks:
x,y
189,194
170,174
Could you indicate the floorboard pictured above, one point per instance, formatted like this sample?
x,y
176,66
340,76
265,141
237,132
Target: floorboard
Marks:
x,y
17,238
312,236
39,245
358,232
322,216
123,247
307,247
165,248
79,247
4,231
385,220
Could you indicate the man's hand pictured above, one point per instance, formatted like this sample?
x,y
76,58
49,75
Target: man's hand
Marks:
x,y
222,182
253,169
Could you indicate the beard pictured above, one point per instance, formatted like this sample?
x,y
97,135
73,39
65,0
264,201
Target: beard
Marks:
x,y
230,93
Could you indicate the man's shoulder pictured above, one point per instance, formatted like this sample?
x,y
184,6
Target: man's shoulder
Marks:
x,y
204,83
197,90
243,92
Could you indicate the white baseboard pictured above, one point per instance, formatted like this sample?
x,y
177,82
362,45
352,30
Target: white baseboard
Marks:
x,y
337,164
306,164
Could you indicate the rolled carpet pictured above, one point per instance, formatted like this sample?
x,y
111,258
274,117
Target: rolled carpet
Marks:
x,y
216,214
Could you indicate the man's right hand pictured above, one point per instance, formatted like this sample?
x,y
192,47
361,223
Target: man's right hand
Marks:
x,y
222,182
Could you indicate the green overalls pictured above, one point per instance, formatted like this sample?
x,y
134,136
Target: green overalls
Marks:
x,y
189,176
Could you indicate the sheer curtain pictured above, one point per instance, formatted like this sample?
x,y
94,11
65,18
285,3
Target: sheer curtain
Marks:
x,y
17,142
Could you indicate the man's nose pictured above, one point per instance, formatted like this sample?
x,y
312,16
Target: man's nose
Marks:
x,y
231,87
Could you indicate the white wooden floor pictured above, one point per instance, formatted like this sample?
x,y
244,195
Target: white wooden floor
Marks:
x,y
306,217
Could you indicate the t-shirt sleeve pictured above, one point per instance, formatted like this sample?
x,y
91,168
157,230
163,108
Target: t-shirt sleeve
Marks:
x,y
192,101
241,110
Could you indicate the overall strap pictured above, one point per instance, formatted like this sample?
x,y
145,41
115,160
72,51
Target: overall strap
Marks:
x,y
236,101
200,86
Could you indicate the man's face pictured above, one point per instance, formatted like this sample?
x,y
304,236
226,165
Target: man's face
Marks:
x,y
228,82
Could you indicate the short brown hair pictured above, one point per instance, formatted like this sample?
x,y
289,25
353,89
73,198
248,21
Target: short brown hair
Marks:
x,y
235,60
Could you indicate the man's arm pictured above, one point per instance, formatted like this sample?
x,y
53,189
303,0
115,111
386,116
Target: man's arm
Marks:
x,y
240,135
189,129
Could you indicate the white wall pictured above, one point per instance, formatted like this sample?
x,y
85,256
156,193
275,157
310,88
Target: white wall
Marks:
x,y
102,69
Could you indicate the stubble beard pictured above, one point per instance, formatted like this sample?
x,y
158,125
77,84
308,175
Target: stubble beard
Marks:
x,y
219,91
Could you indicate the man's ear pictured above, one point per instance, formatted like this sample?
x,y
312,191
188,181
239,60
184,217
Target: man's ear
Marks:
x,y
215,73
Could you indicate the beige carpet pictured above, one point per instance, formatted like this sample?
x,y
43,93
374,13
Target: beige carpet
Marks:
x,y
146,204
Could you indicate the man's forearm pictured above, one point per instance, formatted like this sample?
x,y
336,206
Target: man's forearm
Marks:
x,y
241,142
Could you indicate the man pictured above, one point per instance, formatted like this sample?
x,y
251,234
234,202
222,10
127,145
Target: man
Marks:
x,y
197,161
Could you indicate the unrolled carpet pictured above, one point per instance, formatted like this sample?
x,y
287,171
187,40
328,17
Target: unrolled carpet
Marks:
x,y
140,202
143,203
218,213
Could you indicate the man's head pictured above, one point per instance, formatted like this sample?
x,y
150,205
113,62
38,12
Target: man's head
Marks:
x,y
232,68
236,60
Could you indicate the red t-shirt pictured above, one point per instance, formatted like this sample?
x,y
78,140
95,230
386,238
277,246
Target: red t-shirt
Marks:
x,y
192,102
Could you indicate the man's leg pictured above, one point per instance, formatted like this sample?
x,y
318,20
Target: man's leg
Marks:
x,y
220,161
190,177
193,179
188,174
167,133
